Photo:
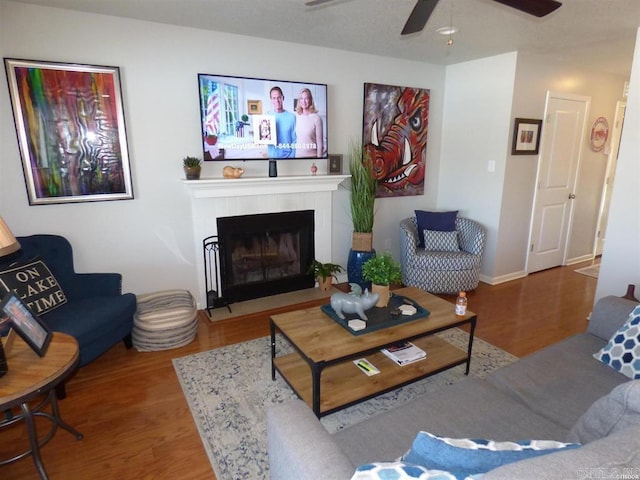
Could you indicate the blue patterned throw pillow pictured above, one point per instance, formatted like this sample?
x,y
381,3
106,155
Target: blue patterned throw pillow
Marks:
x,y
464,457
435,241
622,352
398,471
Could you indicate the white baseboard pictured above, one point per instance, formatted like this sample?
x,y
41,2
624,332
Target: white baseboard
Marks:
x,y
502,278
583,258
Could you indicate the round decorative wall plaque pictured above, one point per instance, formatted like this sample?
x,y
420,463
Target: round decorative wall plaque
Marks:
x,y
599,134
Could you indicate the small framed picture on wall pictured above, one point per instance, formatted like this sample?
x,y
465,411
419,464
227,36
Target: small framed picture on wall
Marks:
x,y
526,136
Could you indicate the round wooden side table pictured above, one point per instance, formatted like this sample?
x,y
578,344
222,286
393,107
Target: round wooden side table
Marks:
x,y
29,378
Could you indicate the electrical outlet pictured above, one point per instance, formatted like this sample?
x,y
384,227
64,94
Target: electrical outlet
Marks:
x,y
387,244
491,167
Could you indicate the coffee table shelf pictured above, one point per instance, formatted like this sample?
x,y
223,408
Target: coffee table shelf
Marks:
x,y
344,384
321,369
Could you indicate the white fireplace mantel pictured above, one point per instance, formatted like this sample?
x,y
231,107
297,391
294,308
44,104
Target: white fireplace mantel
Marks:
x,y
251,186
220,197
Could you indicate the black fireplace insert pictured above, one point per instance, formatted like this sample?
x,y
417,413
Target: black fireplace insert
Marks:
x,y
265,254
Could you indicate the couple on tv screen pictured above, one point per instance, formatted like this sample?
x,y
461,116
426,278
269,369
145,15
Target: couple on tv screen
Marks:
x,y
293,125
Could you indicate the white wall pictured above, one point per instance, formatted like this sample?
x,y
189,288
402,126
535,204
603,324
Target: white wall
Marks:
x,y
535,76
481,100
149,239
476,131
621,256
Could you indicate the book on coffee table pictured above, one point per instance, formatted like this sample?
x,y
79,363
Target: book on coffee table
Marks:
x,y
404,353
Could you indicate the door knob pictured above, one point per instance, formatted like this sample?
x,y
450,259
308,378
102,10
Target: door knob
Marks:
x,y
572,196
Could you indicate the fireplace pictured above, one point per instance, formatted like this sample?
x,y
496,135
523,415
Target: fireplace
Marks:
x,y
213,198
265,254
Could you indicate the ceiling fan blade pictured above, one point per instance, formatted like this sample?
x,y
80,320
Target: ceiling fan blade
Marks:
x,y
419,16
313,3
538,8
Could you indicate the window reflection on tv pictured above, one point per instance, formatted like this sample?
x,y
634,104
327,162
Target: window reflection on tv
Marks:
x,y
258,119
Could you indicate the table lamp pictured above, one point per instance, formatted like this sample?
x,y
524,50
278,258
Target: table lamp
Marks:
x,y
8,245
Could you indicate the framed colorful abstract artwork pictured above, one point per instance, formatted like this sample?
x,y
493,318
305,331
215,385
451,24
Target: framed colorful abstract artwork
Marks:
x,y
71,132
395,127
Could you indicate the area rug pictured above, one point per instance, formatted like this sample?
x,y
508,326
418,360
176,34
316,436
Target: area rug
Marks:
x,y
229,388
590,271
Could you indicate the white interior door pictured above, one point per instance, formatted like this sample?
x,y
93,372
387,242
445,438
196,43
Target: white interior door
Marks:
x,y
563,132
607,189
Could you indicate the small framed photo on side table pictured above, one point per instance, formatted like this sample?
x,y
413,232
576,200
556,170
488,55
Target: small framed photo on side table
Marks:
x,y
26,323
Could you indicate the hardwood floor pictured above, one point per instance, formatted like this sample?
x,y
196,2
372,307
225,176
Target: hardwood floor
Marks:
x,y
136,422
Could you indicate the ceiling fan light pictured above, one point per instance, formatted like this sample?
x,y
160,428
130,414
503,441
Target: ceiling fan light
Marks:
x,y
447,30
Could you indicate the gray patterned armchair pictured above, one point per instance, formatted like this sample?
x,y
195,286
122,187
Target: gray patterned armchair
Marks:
x,y
438,271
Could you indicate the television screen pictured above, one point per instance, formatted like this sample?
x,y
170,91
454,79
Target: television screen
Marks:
x,y
258,119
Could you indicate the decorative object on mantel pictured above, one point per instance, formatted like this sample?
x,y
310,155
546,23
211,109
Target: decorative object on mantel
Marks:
x,y
324,273
335,164
363,197
273,168
232,172
192,168
314,169
630,295
382,271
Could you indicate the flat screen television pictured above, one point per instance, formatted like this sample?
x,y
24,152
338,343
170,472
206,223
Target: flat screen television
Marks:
x,y
258,119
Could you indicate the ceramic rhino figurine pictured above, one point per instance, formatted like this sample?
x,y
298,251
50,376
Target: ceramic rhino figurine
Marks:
x,y
348,303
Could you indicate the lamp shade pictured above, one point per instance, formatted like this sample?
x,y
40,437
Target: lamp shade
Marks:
x,y
8,243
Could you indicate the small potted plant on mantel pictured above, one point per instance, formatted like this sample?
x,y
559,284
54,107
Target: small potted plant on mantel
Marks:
x,y
191,168
324,273
382,271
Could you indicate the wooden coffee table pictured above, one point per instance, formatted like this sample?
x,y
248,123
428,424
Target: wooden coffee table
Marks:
x,y
321,369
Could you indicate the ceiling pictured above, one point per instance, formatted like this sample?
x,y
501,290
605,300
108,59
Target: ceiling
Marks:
x,y
597,33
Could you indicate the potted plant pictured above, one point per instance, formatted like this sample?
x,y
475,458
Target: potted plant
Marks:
x,y
363,197
324,273
362,201
191,167
382,271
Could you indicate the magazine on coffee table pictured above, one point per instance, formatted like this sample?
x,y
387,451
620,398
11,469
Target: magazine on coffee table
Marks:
x,y
404,353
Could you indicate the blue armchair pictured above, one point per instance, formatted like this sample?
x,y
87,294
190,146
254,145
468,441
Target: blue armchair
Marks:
x,y
96,313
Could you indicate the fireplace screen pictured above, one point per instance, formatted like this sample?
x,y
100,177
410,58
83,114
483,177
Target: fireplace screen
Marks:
x,y
265,254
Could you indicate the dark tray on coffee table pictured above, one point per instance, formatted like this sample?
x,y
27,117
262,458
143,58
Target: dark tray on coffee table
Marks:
x,y
379,317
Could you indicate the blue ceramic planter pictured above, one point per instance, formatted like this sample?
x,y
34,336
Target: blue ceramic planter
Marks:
x,y
354,267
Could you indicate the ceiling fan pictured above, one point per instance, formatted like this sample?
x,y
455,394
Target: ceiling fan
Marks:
x,y
423,9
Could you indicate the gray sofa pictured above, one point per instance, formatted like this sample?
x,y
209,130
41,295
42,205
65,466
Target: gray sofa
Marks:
x,y
545,396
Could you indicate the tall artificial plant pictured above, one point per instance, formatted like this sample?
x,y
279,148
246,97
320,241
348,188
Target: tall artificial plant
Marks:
x,y
363,189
